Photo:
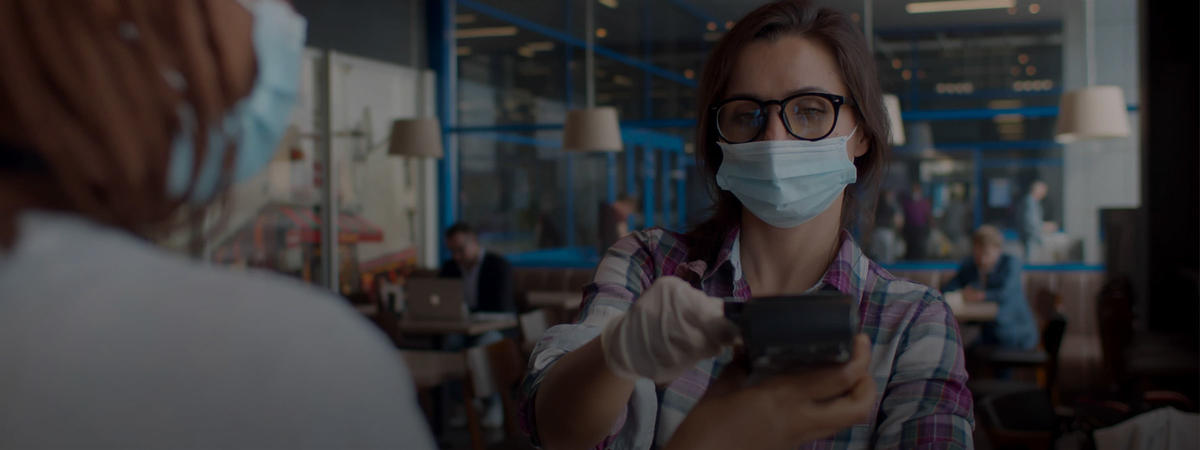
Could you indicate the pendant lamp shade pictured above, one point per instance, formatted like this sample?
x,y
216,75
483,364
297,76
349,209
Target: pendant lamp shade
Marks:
x,y
416,137
1093,112
592,130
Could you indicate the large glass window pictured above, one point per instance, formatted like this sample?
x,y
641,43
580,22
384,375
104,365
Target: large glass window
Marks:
x,y
979,112
514,86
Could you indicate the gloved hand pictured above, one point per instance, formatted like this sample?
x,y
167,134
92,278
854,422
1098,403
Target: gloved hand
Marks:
x,y
670,328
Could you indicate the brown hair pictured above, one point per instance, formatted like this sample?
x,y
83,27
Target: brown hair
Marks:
x,y
857,66
987,235
90,101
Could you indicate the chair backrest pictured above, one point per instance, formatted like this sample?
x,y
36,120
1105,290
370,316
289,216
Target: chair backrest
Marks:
x,y
533,325
497,368
1052,335
1052,338
1114,314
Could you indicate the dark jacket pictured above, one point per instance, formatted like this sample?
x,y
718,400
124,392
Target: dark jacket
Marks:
x,y
1014,327
495,282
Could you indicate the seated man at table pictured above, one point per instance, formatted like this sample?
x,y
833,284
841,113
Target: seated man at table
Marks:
x,y
487,276
992,276
488,285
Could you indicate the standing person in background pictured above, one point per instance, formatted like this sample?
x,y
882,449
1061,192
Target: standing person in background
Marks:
x,y
989,275
886,244
118,119
956,221
487,277
614,220
1032,219
917,213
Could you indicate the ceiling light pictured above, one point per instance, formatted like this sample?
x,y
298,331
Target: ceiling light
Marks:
x,y
609,3
1035,8
1031,70
957,5
1004,104
729,25
540,46
601,33
485,32
689,74
1023,58
712,26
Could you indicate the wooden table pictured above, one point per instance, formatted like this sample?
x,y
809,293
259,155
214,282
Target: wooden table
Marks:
x,y
564,300
561,306
472,328
966,311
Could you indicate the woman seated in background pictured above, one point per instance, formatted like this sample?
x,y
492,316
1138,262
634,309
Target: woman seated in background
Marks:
x,y
990,275
790,114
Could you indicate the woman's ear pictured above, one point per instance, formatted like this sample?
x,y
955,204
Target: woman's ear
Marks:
x,y
858,146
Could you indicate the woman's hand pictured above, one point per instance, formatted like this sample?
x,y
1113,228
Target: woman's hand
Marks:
x,y
781,412
670,328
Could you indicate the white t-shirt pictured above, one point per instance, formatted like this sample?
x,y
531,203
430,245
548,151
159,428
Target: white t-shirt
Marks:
x,y
108,342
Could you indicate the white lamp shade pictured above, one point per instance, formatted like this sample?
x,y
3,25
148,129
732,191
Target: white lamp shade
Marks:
x,y
1094,112
892,103
592,130
416,137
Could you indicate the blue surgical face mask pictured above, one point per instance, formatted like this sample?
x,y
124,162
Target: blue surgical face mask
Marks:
x,y
256,124
787,183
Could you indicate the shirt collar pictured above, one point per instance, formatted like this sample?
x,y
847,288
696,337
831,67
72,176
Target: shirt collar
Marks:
x,y
845,273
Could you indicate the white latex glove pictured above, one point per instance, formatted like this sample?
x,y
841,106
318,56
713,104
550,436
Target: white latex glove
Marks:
x,y
670,328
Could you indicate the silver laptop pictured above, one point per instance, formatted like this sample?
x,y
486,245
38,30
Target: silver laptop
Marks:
x,y
435,299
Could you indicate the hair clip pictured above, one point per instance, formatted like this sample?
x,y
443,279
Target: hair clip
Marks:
x,y
175,79
128,31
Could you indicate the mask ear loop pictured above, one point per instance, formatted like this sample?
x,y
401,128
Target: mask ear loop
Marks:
x,y
852,131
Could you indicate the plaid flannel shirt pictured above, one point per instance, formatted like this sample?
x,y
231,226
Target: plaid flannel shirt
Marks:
x,y
916,353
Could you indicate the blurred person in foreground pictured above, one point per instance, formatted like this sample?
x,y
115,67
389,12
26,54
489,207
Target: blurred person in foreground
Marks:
x,y
116,119
790,115
989,275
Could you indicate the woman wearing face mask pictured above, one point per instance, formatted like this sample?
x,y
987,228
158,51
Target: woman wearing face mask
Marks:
x,y
790,115
116,118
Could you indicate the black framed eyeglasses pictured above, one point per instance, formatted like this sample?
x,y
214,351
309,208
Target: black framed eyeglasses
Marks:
x,y
810,116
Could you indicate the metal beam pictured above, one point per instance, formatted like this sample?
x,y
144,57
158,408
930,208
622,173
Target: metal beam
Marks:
x,y
443,59
568,39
